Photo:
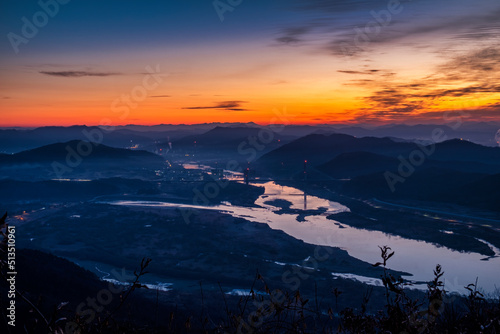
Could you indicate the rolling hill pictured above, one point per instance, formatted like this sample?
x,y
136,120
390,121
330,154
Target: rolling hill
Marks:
x,y
87,150
463,150
77,158
318,149
228,143
347,165
352,164
342,155
432,185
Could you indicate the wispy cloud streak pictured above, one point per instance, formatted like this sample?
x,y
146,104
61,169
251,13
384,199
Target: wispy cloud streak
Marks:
x,y
78,74
225,105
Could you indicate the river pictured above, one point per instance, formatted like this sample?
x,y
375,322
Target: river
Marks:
x,y
416,257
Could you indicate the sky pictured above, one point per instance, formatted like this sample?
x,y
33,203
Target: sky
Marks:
x,y
107,62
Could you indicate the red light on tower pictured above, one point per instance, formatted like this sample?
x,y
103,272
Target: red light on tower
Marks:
x,y
305,170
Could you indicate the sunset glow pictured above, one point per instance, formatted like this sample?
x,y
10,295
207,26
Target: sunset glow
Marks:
x,y
324,63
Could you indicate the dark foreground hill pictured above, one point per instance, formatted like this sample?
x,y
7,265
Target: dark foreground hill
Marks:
x,y
73,300
61,297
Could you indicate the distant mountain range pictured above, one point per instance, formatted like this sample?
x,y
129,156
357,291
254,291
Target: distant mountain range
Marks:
x,y
18,139
478,132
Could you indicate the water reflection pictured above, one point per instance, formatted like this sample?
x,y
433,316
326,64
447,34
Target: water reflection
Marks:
x,y
416,257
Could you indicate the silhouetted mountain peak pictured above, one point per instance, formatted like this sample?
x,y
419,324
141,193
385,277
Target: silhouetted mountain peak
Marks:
x,y
89,151
341,136
222,130
459,143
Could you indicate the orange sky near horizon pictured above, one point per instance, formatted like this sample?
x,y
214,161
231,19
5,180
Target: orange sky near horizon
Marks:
x,y
415,72
34,99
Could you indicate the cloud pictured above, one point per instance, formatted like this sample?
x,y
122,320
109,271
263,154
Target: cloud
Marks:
x,y
495,106
479,65
160,96
337,6
376,78
397,100
354,27
487,114
369,72
293,35
78,74
465,79
224,105
279,82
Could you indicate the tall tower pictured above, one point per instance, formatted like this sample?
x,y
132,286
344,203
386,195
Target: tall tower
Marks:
x,y
305,184
305,170
246,174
